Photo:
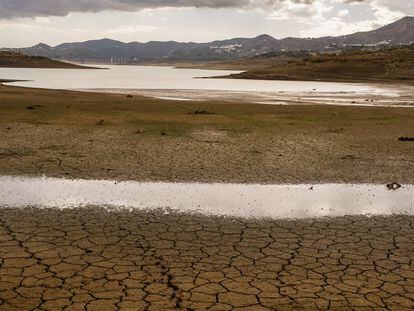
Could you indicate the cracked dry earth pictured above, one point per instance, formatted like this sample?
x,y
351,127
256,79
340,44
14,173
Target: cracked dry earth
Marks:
x,y
97,259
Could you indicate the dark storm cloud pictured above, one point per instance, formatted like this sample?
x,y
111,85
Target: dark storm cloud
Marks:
x,y
34,8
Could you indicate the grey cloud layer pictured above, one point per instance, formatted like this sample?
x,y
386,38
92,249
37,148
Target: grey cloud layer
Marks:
x,y
33,8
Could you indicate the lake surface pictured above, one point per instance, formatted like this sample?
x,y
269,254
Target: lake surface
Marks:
x,y
167,78
238,200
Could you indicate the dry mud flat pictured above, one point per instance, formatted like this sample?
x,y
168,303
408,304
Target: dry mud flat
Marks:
x,y
379,96
96,259
112,136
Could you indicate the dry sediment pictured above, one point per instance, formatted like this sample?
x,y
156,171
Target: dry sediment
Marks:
x,y
95,259
103,136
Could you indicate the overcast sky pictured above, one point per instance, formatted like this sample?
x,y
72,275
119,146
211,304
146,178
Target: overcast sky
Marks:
x,y
28,22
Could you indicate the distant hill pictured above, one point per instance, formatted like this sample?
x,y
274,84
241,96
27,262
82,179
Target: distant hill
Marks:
x,y
400,32
19,60
383,65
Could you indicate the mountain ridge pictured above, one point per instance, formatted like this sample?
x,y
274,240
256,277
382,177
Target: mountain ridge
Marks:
x,y
400,32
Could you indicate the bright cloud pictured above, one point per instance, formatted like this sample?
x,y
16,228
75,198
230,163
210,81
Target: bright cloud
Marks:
x,y
26,22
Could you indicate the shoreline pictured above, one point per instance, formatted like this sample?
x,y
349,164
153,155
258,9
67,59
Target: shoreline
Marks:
x,y
303,92
10,81
404,100
398,97
244,76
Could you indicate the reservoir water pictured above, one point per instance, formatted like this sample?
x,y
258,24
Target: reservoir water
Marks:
x,y
168,78
196,84
237,200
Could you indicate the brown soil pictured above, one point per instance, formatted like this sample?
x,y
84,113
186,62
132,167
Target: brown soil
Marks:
x,y
18,60
97,259
393,65
93,259
63,133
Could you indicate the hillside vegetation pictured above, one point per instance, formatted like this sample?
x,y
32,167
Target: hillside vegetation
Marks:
x,y
385,65
19,60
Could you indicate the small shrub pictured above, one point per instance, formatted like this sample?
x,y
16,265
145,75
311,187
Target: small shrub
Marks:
x,y
200,112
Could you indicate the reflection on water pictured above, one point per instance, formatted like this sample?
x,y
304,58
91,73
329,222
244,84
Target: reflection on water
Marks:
x,y
153,77
239,200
